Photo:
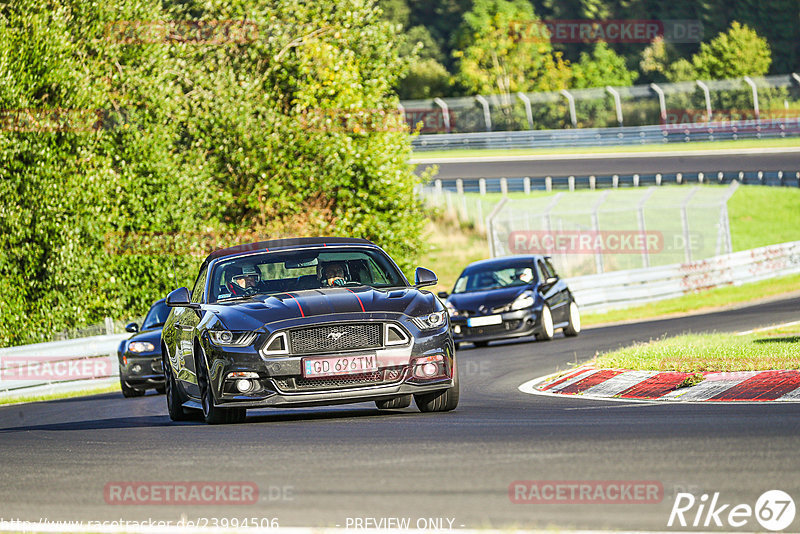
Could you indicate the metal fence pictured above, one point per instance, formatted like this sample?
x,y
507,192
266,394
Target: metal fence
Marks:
x,y
592,232
600,292
716,103
471,201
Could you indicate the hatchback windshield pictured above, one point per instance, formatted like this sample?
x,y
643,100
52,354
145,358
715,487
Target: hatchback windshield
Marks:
x,y
156,316
485,278
264,274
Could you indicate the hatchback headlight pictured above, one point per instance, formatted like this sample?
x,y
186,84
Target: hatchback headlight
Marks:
x,y
141,346
231,339
451,310
523,301
429,322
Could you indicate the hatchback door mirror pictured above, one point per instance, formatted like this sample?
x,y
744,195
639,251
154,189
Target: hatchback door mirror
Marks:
x,y
424,277
180,299
132,328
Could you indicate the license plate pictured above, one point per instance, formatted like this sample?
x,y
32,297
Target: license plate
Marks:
x,y
485,321
339,365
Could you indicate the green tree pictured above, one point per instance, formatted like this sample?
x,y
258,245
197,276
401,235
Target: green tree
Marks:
x,y
502,48
600,68
732,54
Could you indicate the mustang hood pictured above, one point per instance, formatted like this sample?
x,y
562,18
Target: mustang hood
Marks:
x,y
472,302
262,309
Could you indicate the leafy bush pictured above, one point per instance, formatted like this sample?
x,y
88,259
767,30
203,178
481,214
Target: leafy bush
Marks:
x,y
292,130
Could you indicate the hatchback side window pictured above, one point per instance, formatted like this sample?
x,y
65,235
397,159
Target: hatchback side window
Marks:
x,y
551,271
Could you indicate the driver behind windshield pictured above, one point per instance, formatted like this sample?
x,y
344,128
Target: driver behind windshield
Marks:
x,y
244,280
333,274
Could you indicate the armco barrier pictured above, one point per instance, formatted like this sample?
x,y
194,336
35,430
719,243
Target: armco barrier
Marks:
x,y
598,137
58,364
620,289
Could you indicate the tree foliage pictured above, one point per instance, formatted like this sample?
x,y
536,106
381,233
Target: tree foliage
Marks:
x,y
501,49
293,131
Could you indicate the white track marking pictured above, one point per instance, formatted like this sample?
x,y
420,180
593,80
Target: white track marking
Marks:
x,y
709,387
793,395
765,328
620,155
576,378
617,384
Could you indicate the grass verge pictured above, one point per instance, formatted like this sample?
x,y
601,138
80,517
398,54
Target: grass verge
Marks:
x,y
698,302
451,247
671,147
695,353
24,399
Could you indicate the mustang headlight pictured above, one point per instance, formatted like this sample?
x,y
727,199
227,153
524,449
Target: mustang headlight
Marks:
x,y
429,322
141,346
231,339
523,301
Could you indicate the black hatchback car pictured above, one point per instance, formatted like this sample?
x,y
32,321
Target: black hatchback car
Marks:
x,y
306,322
511,297
139,356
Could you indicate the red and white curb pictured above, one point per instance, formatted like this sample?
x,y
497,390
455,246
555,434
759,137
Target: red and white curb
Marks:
x,y
622,384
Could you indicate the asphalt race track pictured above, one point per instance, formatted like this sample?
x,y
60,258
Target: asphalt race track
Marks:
x,y
709,163
320,467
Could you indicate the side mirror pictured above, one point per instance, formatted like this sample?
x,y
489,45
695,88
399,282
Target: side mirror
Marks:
x,y
424,277
442,294
180,299
132,328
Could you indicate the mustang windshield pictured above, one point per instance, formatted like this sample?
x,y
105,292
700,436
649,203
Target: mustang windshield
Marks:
x,y
486,278
280,272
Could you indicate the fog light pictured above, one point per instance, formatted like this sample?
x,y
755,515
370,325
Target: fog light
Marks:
x,y
136,368
457,329
430,369
244,385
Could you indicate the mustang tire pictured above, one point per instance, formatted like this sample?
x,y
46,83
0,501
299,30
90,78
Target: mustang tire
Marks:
x,y
214,415
440,401
395,403
174,398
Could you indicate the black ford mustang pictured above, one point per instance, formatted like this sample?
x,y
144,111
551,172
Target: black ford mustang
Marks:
x,y
306,322
511,297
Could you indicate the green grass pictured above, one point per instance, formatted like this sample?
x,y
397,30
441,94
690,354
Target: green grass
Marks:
x,y
761,216
671,147
694,353
56,396
707,300
450,249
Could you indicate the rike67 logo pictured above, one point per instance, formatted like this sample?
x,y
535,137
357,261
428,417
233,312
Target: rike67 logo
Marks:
x,y
774,510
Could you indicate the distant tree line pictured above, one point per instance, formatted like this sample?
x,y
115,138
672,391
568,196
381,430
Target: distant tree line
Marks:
x,y
463,47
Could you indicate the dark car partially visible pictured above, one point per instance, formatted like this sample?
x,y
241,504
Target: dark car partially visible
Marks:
x,y
140,363
511,297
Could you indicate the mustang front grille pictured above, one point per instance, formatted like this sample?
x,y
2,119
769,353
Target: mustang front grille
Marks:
x,y
335,338
383,376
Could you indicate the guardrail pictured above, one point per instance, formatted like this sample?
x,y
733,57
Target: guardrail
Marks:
x,y
594,137
620,289
58,365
